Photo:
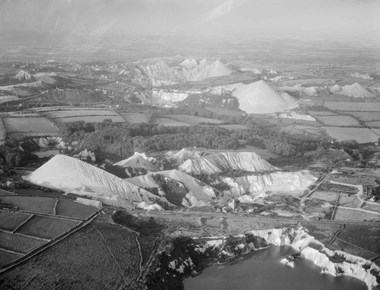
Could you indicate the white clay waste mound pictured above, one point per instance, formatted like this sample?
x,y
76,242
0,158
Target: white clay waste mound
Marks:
x,y
189,70
222,161
356,91
335,89
164,97
199,194
189,62
216,69
74,176
138,160
184,154
23,76
286,182
260,98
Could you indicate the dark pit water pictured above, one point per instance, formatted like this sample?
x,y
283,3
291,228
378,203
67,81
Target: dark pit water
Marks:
x,y
262,270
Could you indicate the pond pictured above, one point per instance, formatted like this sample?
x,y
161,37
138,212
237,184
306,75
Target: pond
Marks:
x,y
262,270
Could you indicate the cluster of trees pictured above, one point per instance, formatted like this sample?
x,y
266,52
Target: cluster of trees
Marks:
x,y
111,140
10,156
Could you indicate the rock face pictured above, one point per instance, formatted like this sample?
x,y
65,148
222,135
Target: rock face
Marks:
x,y
74,176
196,193
260,98
222,161
222,249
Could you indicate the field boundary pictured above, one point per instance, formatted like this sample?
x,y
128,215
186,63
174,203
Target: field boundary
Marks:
x,y
50,243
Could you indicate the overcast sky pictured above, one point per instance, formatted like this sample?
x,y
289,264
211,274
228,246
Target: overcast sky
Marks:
x,y
193,17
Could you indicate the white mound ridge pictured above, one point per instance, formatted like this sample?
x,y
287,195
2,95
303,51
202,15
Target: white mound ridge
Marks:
x,y
275,182
181,156
356,91
189,62
138,160
260,98
23,76
74,176
222,161
161,73
216,69
200,194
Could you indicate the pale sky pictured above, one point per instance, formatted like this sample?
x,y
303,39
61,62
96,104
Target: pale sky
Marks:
x,y
193,17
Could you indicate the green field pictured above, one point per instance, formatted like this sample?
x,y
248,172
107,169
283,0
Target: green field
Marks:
x,y
353,106
29,126
84,114
365,116
169,122
193,120
361,135
18,243
47,227
345,214
31,203
96,257
8,257
9,221
69,208
3,132
374,124
134,118
346,121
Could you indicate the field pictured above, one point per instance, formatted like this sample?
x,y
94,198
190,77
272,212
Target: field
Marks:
x,y
75,113
364,237
19,243
134,118
46,227
329,196
346,121
353,106
193,120
373,124
9,221
4,99
321,113
101,257
347,200
3,132
43,205
345,214
225,112
29,126
73,209
8,257
372,206
169,122
87,115
361,135
365,116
